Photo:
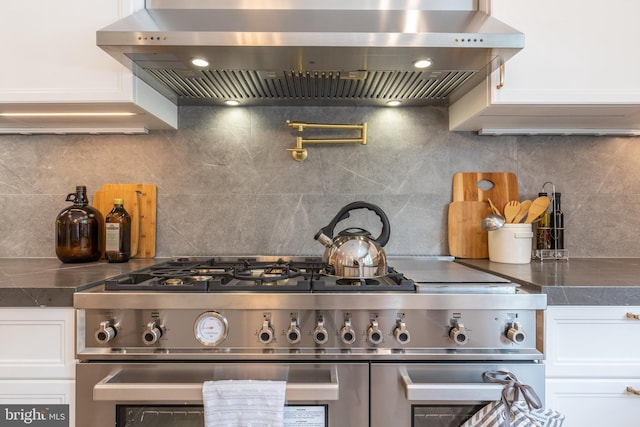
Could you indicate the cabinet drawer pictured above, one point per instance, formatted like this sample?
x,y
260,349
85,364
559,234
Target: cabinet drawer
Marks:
x,y
37,343
27,392
592,341
594,402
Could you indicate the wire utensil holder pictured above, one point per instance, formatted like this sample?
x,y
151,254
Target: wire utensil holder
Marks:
x,y
550,229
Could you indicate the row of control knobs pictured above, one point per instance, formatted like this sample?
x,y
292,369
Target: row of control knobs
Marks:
x,y
347,333
151,334
513,333
458,334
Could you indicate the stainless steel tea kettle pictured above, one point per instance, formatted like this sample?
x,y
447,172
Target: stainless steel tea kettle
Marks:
x,y
353,253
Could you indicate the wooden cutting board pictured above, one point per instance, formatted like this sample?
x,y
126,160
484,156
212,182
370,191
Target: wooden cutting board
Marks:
x,y
504,187
467,239
140,203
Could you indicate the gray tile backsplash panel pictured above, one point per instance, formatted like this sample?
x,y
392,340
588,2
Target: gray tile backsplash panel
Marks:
x,y
227,185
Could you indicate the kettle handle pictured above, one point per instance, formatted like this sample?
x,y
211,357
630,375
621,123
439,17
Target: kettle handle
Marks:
x,y
382,239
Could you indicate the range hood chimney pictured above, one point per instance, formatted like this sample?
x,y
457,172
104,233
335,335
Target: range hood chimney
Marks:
x,y
306,52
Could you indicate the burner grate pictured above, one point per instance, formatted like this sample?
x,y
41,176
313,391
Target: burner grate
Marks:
x,y
250,275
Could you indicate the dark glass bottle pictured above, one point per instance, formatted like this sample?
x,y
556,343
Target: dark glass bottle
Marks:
x,y
118,233
556,223
78,229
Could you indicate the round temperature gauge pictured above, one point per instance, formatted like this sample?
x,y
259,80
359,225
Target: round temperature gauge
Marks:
x,y
211,328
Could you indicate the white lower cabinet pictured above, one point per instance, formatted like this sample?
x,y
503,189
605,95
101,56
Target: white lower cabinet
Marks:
x,y
37,364
593,364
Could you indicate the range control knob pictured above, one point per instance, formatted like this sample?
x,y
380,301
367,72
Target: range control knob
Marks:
x,y
347,334
152,333
515,333
293,334
373,333
320,334
458,334
106,332
265,335
401,333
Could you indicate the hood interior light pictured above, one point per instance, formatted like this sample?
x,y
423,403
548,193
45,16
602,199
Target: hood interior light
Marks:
x,y
200,62
393,103
232,102
422,63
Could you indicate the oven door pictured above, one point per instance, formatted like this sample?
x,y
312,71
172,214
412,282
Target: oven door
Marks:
x,y
439,394
158,394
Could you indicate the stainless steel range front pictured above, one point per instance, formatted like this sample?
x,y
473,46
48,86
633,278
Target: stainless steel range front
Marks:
x,y
407,349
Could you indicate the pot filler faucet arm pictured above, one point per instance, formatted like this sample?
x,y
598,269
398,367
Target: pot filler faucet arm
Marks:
x,y
300,153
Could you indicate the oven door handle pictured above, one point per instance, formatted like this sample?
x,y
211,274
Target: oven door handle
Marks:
x,y
467,392
110,389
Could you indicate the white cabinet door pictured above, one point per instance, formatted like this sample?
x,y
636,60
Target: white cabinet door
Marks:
x,y
52,54
576,73
575,52
593,341
594,402
592,356
37,343
37,360
51,64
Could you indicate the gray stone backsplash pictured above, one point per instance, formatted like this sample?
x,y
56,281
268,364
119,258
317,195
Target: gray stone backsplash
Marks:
x,y
227,185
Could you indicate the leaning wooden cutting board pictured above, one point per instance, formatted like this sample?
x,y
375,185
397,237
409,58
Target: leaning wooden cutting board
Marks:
x,y
467,239
140,203
468,186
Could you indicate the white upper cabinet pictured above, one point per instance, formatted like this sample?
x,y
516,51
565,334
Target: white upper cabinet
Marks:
x,y
51,65
576,74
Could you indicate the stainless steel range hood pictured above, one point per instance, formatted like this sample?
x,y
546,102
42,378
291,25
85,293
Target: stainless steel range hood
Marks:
x,y
296,52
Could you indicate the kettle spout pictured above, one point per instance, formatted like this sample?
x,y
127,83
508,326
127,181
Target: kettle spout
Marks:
x,y
324,239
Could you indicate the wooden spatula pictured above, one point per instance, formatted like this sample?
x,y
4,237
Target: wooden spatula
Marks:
x,y
511,209
524,208
537,208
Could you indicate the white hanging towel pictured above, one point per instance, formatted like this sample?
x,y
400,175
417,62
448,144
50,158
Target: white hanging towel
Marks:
x,y
243,403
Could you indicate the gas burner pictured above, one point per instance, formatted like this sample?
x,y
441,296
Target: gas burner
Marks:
x,y
392,282
206,270
183,281
171,272
273,274
357,282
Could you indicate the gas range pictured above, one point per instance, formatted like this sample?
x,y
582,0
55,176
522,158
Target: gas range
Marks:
x,y
418,336
285,307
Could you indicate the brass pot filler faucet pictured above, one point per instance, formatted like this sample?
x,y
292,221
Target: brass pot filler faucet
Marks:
x,y
300,153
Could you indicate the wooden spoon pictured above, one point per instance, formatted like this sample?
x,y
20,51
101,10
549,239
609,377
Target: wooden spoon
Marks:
x,y
524,208
537,208
511,209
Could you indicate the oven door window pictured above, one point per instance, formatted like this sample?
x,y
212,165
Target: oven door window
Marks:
x,y
442,415
193,416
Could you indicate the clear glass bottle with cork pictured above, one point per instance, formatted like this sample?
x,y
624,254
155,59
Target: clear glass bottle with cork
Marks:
x,y
118,233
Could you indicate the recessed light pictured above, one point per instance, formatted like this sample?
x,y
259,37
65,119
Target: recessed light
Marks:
x,y
422,63
232,102
200,62
393,103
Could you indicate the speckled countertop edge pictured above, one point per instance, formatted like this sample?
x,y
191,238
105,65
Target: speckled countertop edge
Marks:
x,y
578,281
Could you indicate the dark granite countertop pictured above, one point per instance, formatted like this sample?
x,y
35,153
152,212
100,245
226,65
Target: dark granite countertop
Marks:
x,y
578,281
38,282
